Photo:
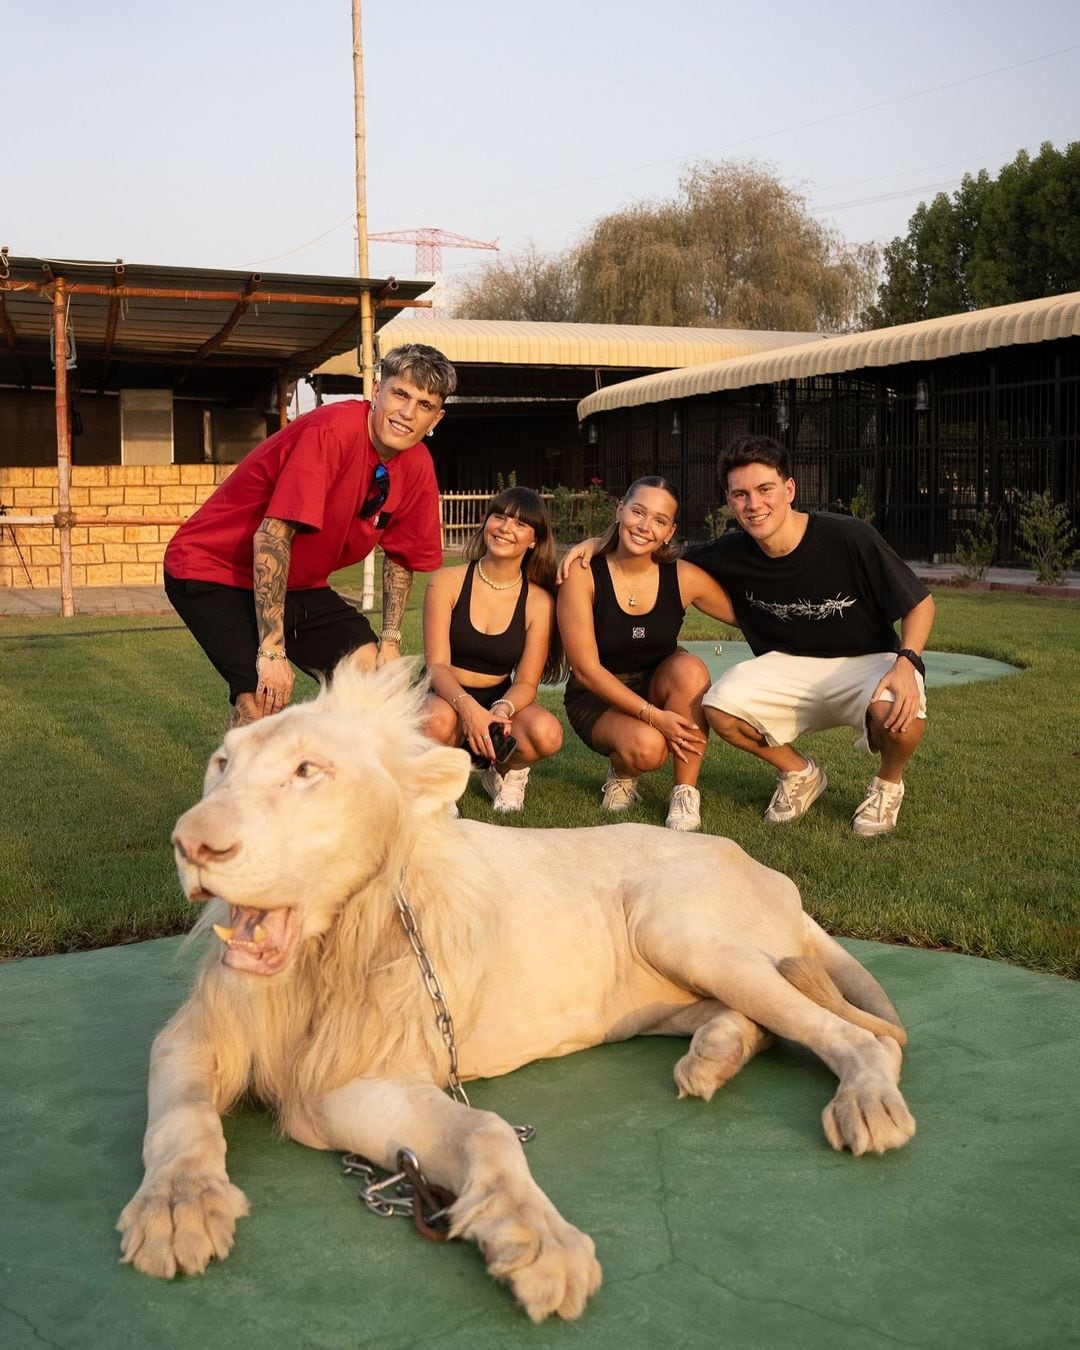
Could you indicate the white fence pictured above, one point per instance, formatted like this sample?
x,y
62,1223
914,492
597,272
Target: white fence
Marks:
x,y
461,514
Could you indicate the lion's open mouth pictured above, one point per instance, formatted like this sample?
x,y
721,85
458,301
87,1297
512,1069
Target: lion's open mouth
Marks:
x,y
258,941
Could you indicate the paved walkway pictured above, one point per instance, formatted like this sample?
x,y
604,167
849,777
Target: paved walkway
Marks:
x,y
28,602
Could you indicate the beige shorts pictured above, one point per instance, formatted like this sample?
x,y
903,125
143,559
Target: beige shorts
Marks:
x,y
782,696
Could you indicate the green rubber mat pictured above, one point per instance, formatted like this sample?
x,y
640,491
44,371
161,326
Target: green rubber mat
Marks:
x,y
729,1224
941,667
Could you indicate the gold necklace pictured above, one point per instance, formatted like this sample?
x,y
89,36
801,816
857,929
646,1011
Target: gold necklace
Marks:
x,y
631,595
495,585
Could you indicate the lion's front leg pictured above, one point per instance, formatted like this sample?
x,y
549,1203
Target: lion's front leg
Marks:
x,y
186,1209
549,1264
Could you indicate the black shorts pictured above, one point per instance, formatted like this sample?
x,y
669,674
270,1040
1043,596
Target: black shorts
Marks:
x,y
584,708
320,628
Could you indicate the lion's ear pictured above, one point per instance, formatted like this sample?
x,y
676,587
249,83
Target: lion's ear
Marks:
x,y
439,776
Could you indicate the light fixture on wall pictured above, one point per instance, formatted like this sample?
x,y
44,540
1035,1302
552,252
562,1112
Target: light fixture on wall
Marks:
x,y
676,425
783,418
922,396
592,435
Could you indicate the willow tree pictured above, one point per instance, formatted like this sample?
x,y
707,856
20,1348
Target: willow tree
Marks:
x,y
526,285
733,248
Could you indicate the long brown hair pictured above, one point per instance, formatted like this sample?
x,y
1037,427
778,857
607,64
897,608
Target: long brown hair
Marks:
x,y
609,541
522,503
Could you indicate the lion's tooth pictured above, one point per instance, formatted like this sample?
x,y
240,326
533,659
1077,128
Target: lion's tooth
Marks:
x,y
225,934
259,933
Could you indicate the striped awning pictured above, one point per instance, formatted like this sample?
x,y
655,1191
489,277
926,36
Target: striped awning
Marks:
x,y
491,342
1043,320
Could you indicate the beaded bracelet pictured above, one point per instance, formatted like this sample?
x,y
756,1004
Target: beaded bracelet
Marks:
x,y
260,655
504,703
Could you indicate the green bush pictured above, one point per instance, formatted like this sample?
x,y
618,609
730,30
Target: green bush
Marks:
x,y
580,515
977,547
1048,538
719,521
862,506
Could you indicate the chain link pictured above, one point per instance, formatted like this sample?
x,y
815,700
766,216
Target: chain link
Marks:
x,y
407,1190
443,1020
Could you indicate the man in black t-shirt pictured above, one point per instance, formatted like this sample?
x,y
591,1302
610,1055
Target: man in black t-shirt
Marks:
x,y
817,597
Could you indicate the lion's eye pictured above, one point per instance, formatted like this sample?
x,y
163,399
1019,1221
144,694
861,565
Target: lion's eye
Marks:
x,y
305,769
219,764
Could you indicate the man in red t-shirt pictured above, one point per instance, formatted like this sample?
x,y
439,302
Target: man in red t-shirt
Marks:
x,y
249,571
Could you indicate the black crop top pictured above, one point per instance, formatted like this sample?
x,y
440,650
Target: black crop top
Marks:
x,y
628,643
486,653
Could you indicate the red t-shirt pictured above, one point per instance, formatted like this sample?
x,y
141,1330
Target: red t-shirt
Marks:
x,y
316,472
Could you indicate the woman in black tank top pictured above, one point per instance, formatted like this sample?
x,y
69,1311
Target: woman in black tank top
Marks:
x,y
633,693
489,641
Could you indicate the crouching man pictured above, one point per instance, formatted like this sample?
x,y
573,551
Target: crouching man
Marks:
x,y
816,596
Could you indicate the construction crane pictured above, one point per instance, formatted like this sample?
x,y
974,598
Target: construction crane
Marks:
x,y
430,243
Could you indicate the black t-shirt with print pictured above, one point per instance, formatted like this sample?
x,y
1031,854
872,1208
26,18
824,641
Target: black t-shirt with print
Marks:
x,y
838,593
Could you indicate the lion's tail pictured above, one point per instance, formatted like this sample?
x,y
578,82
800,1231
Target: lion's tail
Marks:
x,y
808,974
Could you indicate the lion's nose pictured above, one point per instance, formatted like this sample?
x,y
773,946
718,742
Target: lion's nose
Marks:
x,y
195,850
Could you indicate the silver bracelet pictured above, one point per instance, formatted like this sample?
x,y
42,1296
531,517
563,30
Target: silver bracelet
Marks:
x,y
504,703
391,635
260,655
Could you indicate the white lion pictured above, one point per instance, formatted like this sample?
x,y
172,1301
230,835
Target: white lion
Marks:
x,y
545,942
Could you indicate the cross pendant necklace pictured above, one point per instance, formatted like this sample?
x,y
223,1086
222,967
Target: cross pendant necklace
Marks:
x,y
631,595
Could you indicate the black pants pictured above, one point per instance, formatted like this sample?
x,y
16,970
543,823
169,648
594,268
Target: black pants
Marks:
x,y
320,628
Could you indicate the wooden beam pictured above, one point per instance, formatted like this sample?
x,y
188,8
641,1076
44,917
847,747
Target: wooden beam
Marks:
x,y
222,335
110,323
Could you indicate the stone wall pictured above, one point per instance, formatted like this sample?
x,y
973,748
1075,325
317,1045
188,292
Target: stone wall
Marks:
x,y
101,555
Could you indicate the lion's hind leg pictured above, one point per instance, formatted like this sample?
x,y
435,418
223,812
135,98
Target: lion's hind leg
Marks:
x,y
868,1113
719,1048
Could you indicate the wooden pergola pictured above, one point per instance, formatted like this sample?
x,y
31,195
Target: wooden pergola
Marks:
x,y
138,325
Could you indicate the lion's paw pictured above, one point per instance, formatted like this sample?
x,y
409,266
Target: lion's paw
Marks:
x,y
549,1264
179,1222
868,1120
697,1076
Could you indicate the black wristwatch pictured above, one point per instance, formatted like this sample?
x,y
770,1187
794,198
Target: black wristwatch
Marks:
x,y
915,659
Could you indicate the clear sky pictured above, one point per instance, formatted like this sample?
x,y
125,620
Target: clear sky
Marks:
x,y
219,133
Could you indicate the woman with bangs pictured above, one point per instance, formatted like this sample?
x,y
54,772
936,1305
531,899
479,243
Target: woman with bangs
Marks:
x,y
634,694
490,640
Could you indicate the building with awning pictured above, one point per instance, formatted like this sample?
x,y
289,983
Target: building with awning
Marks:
x,y
127,392
519,384
935,421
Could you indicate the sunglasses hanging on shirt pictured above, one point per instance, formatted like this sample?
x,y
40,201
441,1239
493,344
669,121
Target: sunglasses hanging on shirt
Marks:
x,y
377,492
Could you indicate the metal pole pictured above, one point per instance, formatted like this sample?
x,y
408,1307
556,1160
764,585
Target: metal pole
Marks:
x,y
367,316
63,448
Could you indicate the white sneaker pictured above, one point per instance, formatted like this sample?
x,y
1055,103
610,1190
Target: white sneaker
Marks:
x,y
796,792
684,808
619,793
878,812
506,790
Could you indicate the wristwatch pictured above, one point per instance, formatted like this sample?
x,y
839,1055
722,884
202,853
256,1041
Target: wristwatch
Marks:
x,y
915,659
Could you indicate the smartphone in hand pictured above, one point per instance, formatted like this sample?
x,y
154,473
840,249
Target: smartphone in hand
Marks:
x,y
503,745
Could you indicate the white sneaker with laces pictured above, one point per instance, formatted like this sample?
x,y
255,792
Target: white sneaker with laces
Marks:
x,y
619,793
684,808
878,812
796,792
506,790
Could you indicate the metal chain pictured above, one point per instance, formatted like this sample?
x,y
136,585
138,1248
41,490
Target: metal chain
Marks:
x,y
409,1190
443,1020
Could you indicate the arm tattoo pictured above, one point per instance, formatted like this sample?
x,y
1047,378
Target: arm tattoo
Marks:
x,y
396,585
273,548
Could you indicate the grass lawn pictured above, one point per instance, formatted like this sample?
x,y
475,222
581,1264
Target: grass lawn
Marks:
x,y
108,723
